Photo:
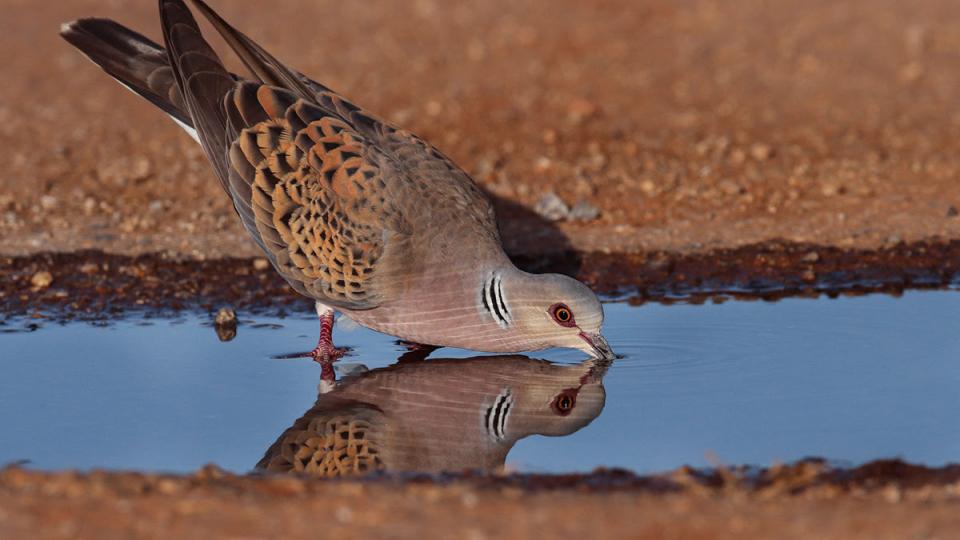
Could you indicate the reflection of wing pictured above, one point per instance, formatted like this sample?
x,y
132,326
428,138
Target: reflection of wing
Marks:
x,y
335,438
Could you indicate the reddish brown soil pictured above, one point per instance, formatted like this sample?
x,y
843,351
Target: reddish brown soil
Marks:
x,y
791,146
95,285
690,125
807,500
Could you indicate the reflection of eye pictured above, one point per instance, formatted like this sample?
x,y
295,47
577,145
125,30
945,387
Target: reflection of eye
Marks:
x,y
562,314
564,402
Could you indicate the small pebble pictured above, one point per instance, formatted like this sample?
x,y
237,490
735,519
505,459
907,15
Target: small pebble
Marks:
x,y
343,514
730,187
584,211
225,316
952,211
48,202
225,333
737,157
210,472
225,324
830,189
648,187
552,208
261,264
41,280
811,257
580,109
140,168
761,152
485,166
542,164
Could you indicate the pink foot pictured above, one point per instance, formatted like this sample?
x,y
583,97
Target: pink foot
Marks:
x,y
325,352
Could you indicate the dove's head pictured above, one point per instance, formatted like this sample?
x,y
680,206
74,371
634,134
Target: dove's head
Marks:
x,y
553,310
551,399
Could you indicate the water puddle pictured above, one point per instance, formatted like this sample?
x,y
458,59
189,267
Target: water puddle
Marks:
x,y
852,379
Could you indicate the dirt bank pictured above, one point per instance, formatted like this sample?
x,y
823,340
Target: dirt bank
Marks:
x,y
96,285
807,500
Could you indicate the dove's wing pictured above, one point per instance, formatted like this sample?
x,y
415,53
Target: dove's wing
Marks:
x,y
345,206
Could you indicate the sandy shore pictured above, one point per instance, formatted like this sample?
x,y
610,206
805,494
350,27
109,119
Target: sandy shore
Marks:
x,y
879,501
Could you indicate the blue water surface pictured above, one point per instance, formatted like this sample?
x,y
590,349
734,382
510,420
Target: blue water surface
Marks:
x,y
740,382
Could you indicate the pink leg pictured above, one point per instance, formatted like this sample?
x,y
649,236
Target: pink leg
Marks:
x,y
328,377
325,352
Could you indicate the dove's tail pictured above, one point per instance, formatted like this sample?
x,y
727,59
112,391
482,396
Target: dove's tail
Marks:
x,y
184,78
133,60
203,81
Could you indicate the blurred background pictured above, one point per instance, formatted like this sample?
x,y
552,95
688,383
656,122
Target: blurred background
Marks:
x,y
677,125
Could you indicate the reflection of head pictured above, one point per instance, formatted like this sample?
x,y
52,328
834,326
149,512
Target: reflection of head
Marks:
x,y
438,415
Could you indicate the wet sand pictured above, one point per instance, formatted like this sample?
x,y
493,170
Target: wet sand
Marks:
x,y
803,147
91,285
806,500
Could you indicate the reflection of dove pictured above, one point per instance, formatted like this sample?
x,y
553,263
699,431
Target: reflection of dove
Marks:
x,y
438,415
363,217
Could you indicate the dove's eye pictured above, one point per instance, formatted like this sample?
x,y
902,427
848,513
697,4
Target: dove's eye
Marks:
x,y
564,402
562,314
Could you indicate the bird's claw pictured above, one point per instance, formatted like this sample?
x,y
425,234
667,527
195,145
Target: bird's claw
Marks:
x,y
327,354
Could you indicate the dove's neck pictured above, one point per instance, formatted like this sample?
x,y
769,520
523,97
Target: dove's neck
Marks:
x,y
468,307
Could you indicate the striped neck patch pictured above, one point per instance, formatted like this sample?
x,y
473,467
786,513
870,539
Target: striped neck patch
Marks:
x,y
493,301
495,418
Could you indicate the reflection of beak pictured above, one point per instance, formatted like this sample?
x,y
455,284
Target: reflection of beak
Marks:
x,y
599,348
598,369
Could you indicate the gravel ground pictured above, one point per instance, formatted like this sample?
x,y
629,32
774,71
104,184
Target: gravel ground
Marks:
x,y
687,125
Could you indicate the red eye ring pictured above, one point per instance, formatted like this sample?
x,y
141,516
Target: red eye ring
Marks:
x,y
562,315
565,401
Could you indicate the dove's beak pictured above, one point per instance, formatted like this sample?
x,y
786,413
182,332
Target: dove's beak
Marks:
x,y
597,346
